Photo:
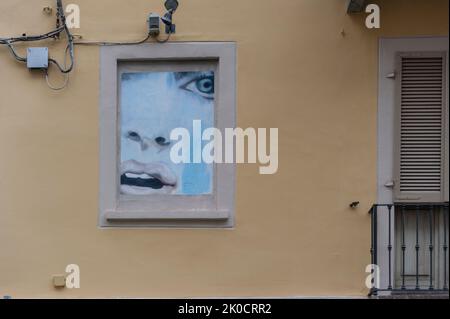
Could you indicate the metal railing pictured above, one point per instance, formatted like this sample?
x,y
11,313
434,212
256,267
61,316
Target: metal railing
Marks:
x,y
409,247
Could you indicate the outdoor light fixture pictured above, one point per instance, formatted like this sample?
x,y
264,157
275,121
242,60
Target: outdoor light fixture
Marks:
x,y
167,18
171,6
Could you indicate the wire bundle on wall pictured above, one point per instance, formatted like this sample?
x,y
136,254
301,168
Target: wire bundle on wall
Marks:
x,y
55,34
61,27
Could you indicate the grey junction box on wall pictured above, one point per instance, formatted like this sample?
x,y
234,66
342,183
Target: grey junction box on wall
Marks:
x,y
37,58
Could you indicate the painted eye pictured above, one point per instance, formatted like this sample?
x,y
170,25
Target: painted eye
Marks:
x,y
202,86
205,86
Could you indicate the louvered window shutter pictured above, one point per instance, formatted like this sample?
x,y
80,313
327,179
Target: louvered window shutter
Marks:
x,y
420,169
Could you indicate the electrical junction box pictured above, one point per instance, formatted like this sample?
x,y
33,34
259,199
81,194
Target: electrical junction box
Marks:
x,y
153,24
37,58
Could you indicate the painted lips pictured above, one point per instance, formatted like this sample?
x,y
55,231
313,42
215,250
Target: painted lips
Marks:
x,y
138,178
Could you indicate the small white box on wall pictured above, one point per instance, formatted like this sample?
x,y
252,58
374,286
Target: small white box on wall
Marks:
x,y
37,58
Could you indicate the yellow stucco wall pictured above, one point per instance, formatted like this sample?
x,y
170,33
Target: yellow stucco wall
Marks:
x,y
294,235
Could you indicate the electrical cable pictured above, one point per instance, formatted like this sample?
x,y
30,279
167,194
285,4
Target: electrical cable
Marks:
x,y
105,43
66,75
63,86
64,69
25,38
14,53
70,45
61,19
165,40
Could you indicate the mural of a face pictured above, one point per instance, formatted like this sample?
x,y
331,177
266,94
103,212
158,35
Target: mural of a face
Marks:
x,y
152,105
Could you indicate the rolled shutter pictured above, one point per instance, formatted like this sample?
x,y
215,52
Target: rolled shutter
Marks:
x,y
421,108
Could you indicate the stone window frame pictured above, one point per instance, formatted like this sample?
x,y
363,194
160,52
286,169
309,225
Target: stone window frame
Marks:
x,y
180,211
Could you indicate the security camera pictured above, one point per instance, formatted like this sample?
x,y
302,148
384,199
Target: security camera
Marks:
x,y
167,19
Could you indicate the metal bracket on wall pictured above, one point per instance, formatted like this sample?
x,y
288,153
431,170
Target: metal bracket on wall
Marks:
x,y
391,75
47,10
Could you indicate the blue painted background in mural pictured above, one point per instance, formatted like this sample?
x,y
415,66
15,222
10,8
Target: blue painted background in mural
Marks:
x,y
152,104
